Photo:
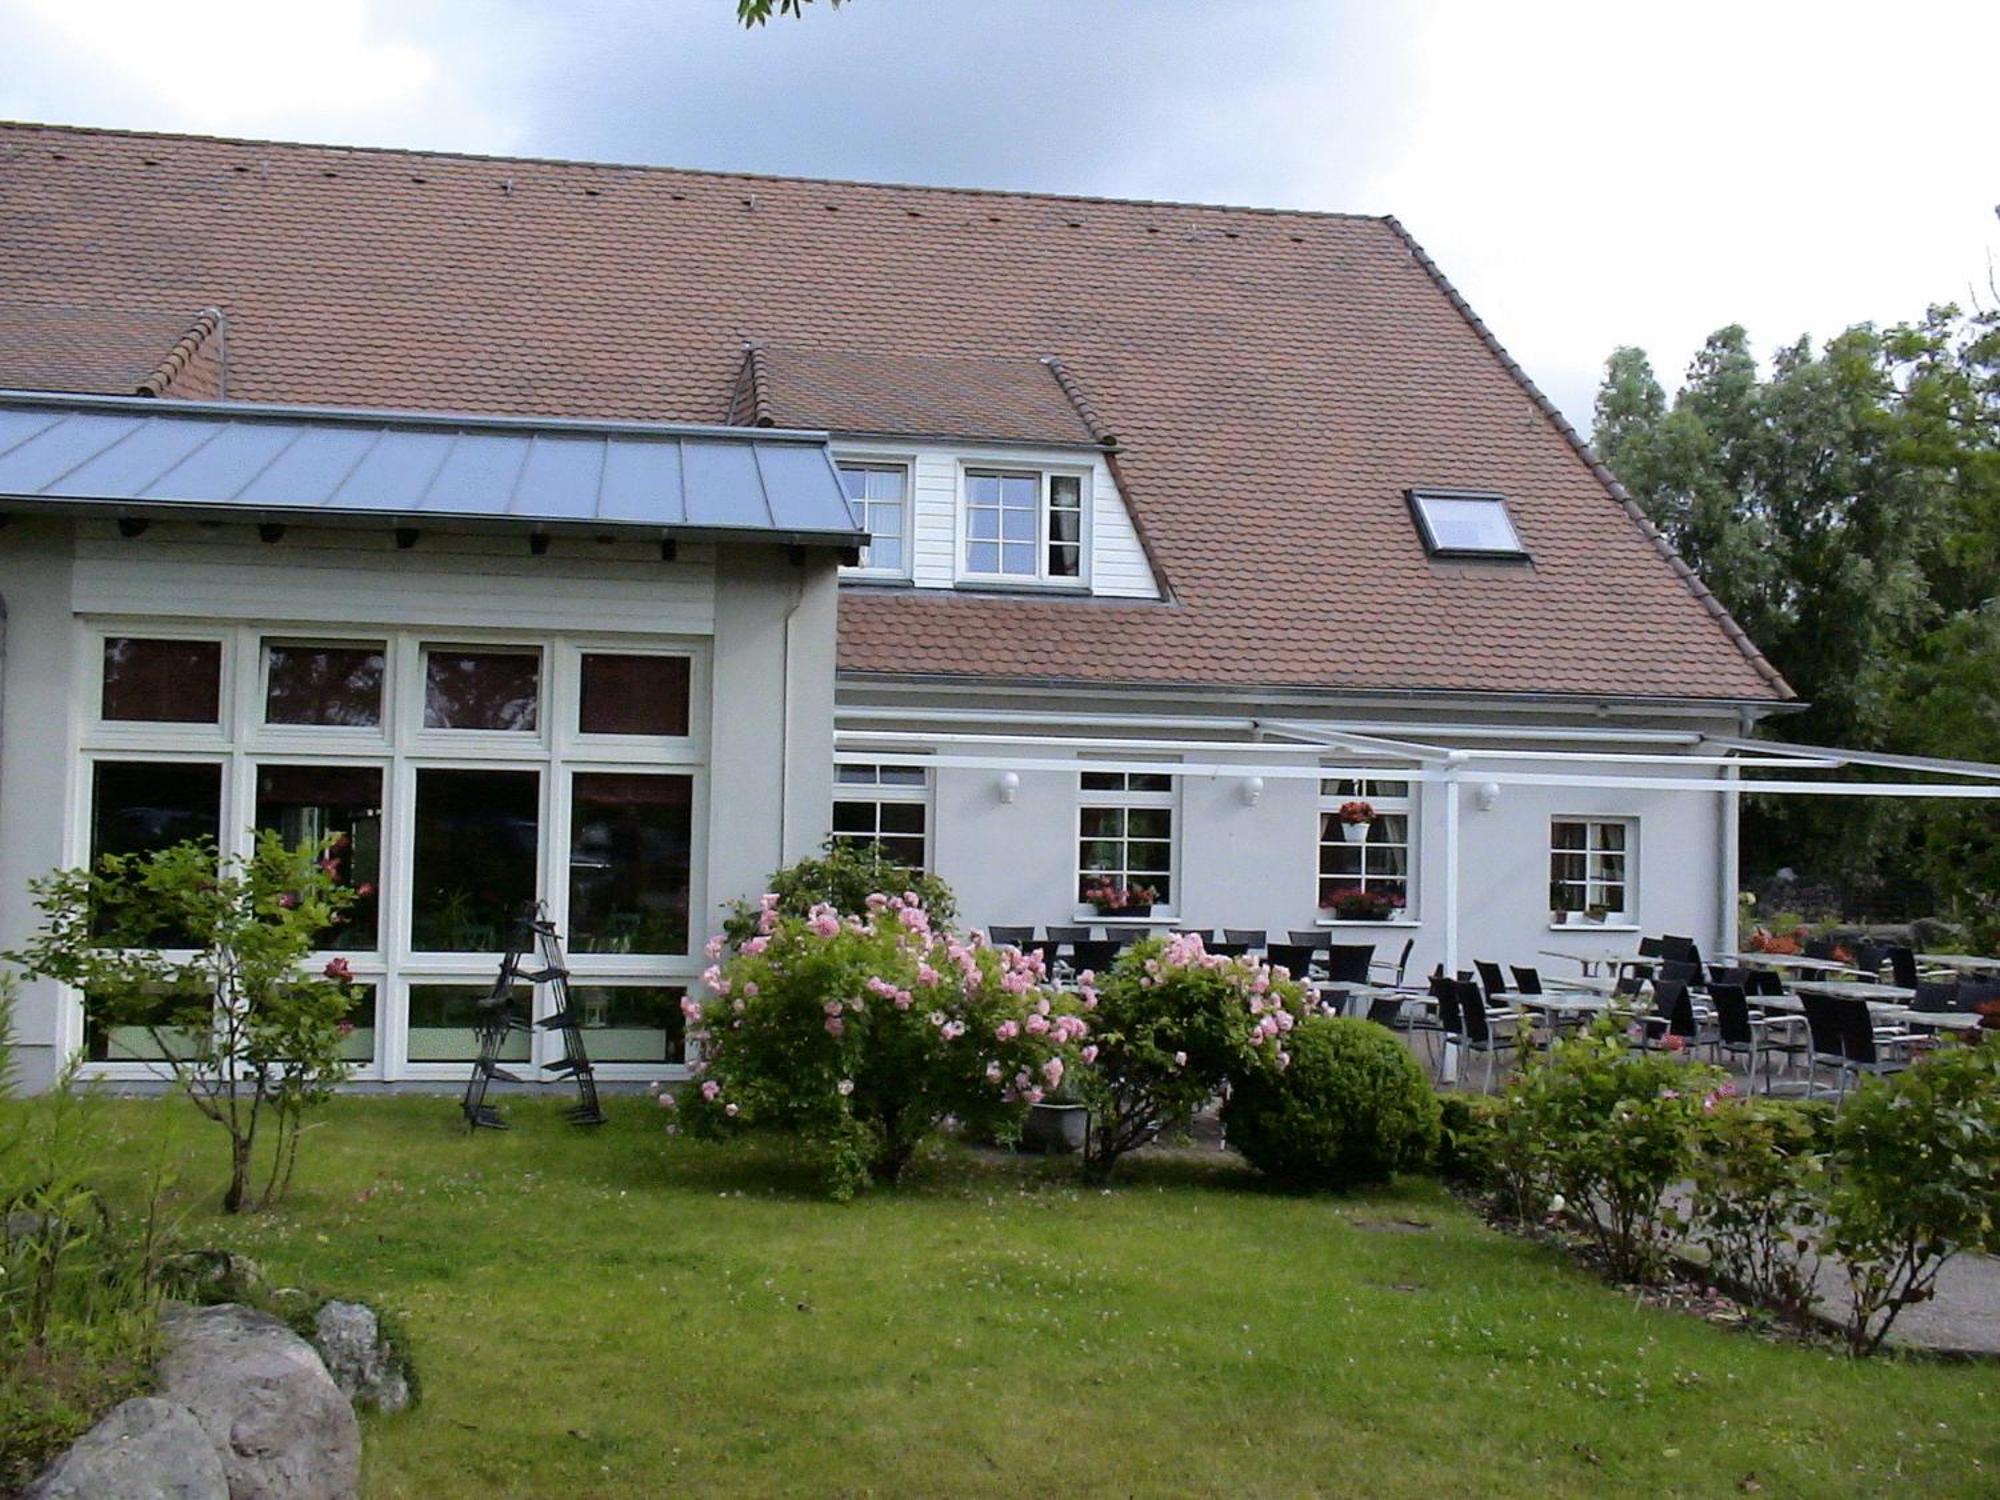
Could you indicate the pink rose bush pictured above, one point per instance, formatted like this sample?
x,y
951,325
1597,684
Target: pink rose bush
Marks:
x,y
863,1032
1168,1026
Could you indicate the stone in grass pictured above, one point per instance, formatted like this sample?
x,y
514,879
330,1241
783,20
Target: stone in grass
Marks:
x,y
362,1363
143,1449
281,1426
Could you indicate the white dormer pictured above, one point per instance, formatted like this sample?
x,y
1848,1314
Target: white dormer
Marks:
x,y
993,519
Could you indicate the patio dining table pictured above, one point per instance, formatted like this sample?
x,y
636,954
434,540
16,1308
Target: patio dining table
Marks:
x,y
1964,963
1891,995
1593,959
1797,962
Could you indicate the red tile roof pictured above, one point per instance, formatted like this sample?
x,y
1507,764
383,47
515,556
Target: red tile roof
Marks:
x,y
1275,380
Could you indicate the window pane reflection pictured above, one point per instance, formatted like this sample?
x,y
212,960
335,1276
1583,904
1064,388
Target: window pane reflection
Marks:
x,y
323,685
162,682
634,695
630,1023
468,688
628,863
445,1020
477,837
306,804
153,1031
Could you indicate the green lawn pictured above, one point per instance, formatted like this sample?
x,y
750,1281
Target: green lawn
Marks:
x,y
617,1314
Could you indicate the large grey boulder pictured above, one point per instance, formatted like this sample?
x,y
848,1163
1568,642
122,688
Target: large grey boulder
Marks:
x,y
281,1426
143,1449
362,1363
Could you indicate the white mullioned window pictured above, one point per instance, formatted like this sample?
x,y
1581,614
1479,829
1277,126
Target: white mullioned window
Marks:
x,y
1591,866
1025,525
880,494
460,776
1381,864
887,805
1125,834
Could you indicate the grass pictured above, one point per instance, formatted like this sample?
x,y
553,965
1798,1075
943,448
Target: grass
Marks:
x,y
616,1314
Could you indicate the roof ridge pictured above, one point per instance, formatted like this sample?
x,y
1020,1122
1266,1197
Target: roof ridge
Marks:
x,y
1086,411
750,402
210,322
724,174
1701,592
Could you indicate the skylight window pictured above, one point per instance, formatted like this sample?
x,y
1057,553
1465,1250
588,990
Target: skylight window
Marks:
x,y
1465,523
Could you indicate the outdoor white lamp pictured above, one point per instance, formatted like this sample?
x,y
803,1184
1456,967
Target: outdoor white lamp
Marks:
x,y
1487,797
1253,790
1010,785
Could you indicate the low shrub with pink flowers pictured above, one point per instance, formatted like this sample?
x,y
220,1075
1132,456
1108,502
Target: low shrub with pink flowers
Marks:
x,y
1169,1024
863,1033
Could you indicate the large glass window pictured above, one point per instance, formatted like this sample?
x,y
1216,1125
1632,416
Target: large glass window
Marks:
x,y
150,681
159,1031
1023,524
631,1023
1377,862
327,686
1590,867
141,807
879,495
886,805
473,873
309,804
445,1021
629,859
633,695
1126,833
478,687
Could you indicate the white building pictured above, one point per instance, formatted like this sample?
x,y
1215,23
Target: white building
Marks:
x,y
489,512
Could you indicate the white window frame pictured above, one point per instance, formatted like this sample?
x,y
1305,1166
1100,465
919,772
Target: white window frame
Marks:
x,y
907,467
557,750
1594,880
1405,807
880,794
1041,578
1090,797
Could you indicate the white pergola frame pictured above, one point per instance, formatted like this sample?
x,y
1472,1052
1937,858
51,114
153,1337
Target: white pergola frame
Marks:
x,y
1241,746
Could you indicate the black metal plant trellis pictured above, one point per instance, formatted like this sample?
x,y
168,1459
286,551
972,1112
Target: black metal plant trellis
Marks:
x,y
533,934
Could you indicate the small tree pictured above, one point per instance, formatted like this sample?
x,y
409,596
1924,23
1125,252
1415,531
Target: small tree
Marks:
x,y
246,1029
1170,1024
1759,1201
1916,1180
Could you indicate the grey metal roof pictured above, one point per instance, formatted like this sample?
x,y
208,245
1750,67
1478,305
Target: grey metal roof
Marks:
x,y
142,457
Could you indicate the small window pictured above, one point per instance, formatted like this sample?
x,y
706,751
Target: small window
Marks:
x,y
162,682
476,687
629,1023
475,850
1465,523
328,686
886,805
1590,868
879,495
309,804
1125,834
1023,524
634,695
631,837
1367,874
445,1020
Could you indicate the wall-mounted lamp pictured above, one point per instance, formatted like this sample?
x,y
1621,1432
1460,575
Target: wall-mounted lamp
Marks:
x,y
1010,785
1253,790
1487,797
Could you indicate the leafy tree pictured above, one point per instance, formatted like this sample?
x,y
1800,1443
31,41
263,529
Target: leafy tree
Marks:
x,y
757,12
248,1031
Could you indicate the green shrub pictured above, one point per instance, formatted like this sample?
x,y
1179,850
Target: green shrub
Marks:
x,y
862,1034
1916,1180
1170,1023
1466,1139
1611,1131
1350,1107
1758,1201
843,877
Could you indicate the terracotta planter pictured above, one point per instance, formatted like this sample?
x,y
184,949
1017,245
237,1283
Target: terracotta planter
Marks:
x,y
1058,1129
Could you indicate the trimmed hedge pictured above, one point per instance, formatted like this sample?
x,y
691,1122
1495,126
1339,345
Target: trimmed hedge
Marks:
x,y
1352,1108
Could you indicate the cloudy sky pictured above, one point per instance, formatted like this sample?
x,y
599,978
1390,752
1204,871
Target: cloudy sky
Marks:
x,y
1589,174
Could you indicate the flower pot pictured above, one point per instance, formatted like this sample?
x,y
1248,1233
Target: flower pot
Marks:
x,y
1057,1129
1136,909
1354,833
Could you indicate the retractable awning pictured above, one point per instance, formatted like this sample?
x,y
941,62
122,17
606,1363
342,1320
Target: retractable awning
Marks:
x,y
133,457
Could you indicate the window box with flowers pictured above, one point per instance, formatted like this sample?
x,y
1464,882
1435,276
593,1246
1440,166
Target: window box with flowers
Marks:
x,y
1355,904
1110,900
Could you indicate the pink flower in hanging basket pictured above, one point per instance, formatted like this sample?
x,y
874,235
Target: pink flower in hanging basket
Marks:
x,y
1356,812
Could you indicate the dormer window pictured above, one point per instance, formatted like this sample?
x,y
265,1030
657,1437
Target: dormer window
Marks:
x,y
879,493
1023,525
1465,523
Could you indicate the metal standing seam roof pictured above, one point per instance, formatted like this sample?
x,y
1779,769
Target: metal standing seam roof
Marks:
x,y
139,456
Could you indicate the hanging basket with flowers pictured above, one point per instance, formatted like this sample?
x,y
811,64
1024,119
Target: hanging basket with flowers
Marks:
x,y
1354,820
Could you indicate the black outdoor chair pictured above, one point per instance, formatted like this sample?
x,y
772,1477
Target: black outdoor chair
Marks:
x,y
1125,937
1680,971
1310,938
1294,958
1870,1048
1727,974
1227,949
1347,963
1249,937
1652,947
1903,967
1673,1016
1401,964
1820,947
1869,958
1935,996
1387,1013
1094,956
1973,993
1630,986
1450,1024
1680,949
1048,948
1752,1037
1010,937
1827,1051
1491,979
1485,1031
1527,981
1068,934
1766,982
